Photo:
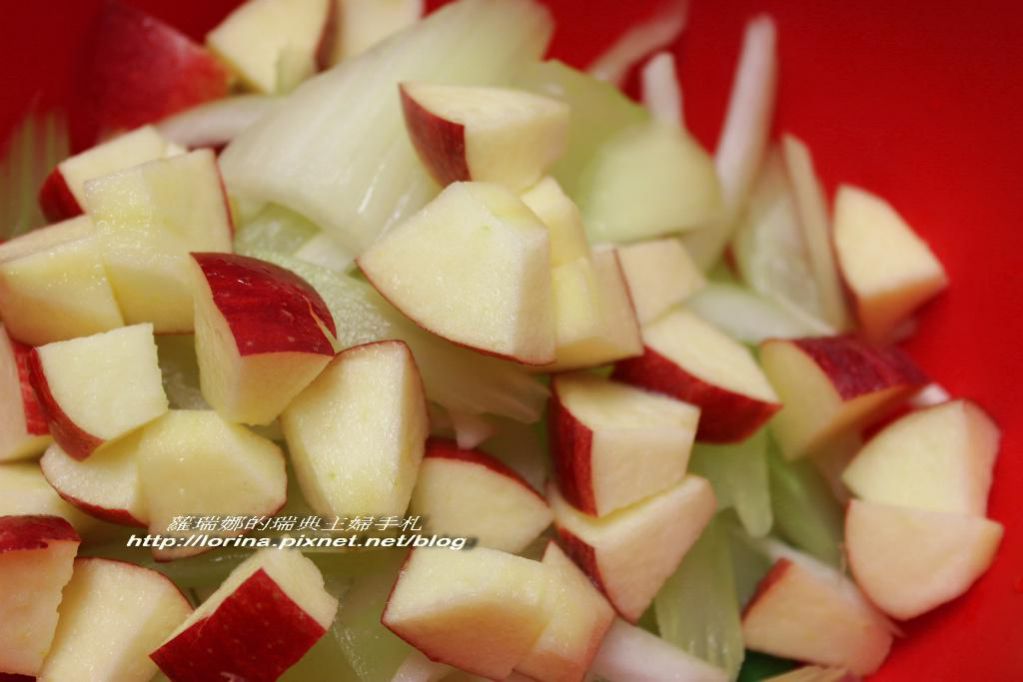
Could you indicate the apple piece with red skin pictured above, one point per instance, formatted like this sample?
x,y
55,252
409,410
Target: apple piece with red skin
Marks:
x,y
614,444
112,615
24,491
63,193
693,361
262,334
98,388
23,429
480,611
133,70
105,486
631,653
485,134
909,561
807,611
466,493
629,554
269,611
832,386
36,557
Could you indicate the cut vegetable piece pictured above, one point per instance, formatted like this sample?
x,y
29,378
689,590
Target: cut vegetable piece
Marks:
x,y
346,462
661,92
362,24
649,180
275,228
98,388
148,219
661,29
614,445
814,673
578,313
805,512
480,611
195,460
23,429
578,619
63,194
473,267
323,250
112,615
262,334
698,609
690,360
25,492
751,318
909,561
53,286
630,553
660,274
36,556
464,493
498,135
890,270
265,616
632,653
940,458
811,205
750,561
214,124
180,369
134,69
810,612
561,216
105,486
833,386
744,135
290,157
608,112
618,334
738,474
418,668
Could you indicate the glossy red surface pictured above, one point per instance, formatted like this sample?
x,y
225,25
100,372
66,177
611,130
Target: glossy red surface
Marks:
x,y
917,100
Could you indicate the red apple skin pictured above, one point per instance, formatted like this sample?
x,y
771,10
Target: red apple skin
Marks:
x,y
121,517
725,416
329,37
269,309
74,440
135,69
255,634
439,142
585,557
56,199
442,448
12,677
22,533
35,415
857,368
571,449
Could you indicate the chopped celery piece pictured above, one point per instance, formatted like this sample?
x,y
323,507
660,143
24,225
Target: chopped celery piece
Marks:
x,y
751,318
806,513
750,563
600,111
336,150
758,666
738,473
180,370
326,661
275,228
697,609
456,378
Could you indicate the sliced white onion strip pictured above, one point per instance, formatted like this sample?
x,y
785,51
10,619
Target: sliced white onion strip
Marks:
x,y
216,123
660,30
662,94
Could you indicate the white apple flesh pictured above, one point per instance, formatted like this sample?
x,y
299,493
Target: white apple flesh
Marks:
x,y
23,429
661,275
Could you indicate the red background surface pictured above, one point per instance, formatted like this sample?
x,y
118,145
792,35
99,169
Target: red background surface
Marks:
x,y
918,100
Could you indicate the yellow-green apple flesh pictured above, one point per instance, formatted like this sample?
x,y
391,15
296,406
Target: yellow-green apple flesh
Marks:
x,y
23,429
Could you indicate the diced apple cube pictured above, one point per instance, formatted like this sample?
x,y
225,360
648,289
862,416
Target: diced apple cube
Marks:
x,y
660,274
23,429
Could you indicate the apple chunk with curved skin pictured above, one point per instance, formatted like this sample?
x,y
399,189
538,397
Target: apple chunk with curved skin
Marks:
x,y
909,561
888,268
356,434
23,429
940,458
262,334
149,218
25,492
106,485
563,220
36,556
614,444
269,611
629,554
484,134
193,459
695,362
362,24
480,610
465,493
112,615
98,388
832,386
473,266
808,611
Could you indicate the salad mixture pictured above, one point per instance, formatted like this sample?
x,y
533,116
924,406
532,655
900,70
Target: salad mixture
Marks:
x,y
363,345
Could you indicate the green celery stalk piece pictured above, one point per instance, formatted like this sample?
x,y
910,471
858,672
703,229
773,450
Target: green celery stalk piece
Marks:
x,y
38,143
698,609
275,228
758,666
738,473
805,511
750,563
180,370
